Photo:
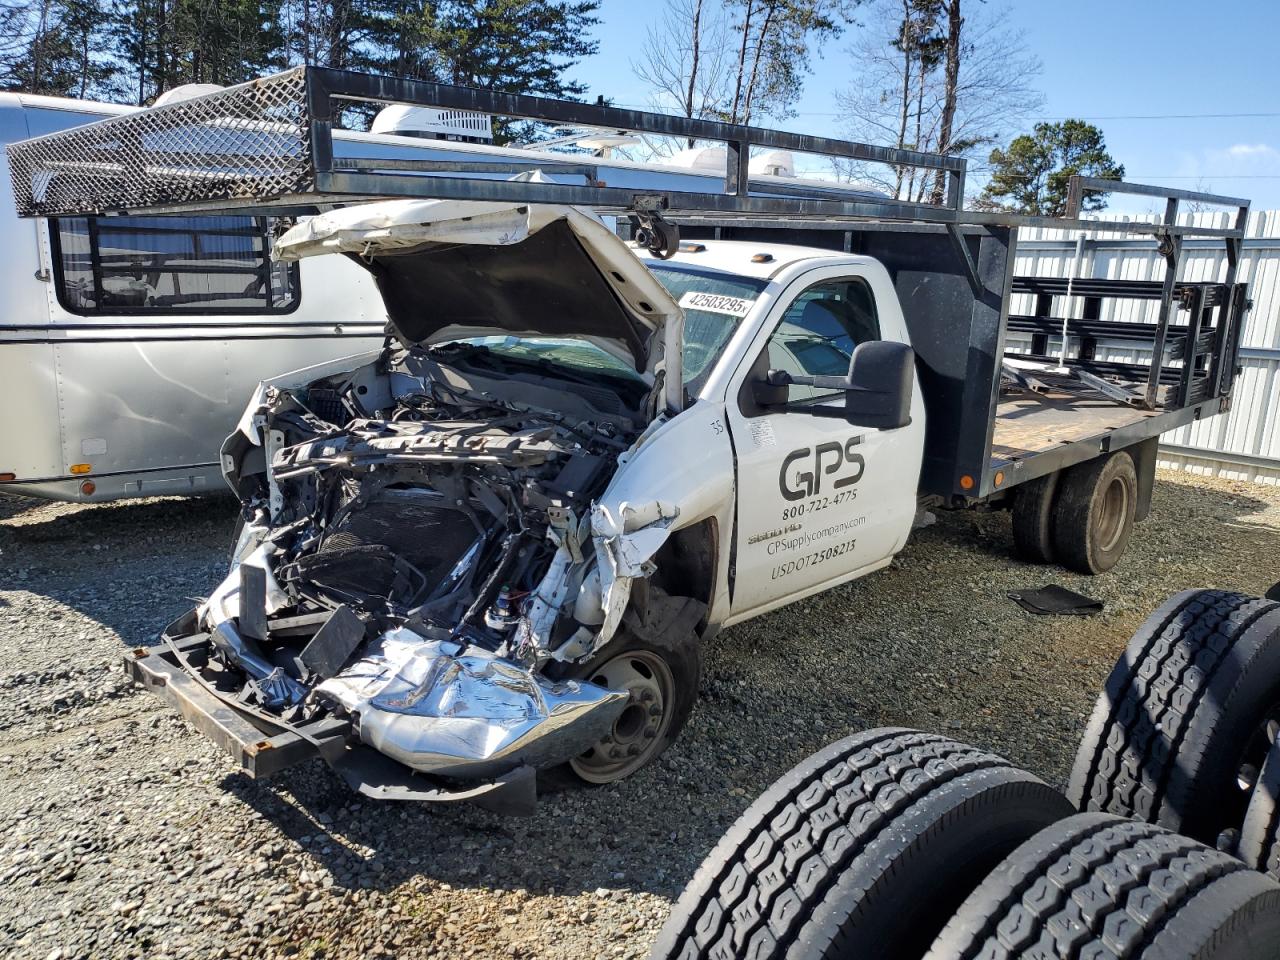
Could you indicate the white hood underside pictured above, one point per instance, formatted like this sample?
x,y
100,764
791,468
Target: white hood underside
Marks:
x,y
390,229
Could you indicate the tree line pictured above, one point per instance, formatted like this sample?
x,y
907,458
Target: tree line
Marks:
x,y
944,76
130,51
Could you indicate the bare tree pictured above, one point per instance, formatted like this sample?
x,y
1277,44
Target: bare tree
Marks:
x,y
732,60
775,41
951,85
686,60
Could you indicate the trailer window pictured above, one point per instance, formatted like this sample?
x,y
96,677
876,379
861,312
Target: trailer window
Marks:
x,y
143,265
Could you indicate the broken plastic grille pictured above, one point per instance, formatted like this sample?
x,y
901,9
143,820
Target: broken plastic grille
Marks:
x,y
246,141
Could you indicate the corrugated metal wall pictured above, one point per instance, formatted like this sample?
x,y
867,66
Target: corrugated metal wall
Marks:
x,y
1245,443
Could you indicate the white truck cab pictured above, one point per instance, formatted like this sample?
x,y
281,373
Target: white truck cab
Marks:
x,y
821,501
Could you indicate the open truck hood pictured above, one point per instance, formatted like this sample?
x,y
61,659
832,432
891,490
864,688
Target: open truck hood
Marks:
x,y
449,269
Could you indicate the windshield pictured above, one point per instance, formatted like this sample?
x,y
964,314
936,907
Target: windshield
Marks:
x,y
714,303
575,354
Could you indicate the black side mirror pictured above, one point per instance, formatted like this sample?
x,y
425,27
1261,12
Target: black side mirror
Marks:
x,y
881,375
766,393
877,389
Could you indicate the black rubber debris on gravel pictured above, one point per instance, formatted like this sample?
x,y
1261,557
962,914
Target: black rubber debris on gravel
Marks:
x,y
1054,599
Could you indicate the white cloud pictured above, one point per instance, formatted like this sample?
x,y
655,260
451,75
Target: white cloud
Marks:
x,y
1251,150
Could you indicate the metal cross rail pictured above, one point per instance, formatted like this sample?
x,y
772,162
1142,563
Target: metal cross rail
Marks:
x,y
272,144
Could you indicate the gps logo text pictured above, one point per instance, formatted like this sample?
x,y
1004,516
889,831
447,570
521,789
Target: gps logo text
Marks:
x,y
825,459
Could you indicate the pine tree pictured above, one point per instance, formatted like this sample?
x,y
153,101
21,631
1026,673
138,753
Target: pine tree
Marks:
x,y
162,44
1033,175
56,48
516,46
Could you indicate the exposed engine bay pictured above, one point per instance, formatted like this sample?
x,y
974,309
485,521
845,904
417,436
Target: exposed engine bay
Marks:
x,y
439,549
423,551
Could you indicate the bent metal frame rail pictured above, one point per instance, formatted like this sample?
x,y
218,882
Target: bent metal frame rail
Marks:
x,y
268,145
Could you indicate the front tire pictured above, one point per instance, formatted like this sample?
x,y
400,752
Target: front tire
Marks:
x,y
661,670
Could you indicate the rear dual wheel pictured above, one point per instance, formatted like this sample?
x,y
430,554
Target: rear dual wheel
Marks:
x,y
1033,519
1081,517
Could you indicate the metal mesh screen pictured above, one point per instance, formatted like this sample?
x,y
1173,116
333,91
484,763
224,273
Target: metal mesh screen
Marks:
x,y
250,140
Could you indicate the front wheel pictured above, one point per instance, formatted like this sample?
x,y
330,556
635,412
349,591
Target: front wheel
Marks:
x,y
661,674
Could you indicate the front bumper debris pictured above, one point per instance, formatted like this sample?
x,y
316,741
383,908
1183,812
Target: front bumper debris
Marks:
x,y
263,748
439,707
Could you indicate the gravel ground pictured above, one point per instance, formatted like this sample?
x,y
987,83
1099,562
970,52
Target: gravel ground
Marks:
x,y
125,834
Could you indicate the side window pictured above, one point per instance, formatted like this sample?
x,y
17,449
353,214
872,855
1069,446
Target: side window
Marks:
x,y
819,331
144,265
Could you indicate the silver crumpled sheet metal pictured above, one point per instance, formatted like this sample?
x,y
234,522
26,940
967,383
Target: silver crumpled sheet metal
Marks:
x,y
467,713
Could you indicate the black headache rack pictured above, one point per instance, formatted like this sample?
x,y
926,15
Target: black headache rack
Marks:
x,y
996,417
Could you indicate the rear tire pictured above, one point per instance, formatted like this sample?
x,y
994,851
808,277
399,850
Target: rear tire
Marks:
x,y
1260,836
1093,513
863,850
1180,715
1033,519
1099,887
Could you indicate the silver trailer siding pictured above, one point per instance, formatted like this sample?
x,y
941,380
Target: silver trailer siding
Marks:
x,y
138,401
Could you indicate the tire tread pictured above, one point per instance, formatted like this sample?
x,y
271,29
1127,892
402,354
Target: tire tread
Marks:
x,y
1132,746
1093,886
761,890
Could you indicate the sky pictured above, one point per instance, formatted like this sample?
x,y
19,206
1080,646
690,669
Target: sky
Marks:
x,y
1115,64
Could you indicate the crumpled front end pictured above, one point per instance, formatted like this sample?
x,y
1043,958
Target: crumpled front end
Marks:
x,y
463,712
427,557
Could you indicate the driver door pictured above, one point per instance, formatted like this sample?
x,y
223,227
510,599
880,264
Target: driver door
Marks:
x,y
819,500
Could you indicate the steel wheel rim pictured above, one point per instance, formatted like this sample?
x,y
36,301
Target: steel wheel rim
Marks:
x,y
640,727
1245,778
1112,510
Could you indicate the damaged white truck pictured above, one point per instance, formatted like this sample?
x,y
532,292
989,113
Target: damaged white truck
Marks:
x,y
495,546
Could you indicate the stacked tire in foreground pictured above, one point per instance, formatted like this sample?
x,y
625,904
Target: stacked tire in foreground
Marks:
x,y
1184,733
900,844
861,850
1098,886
